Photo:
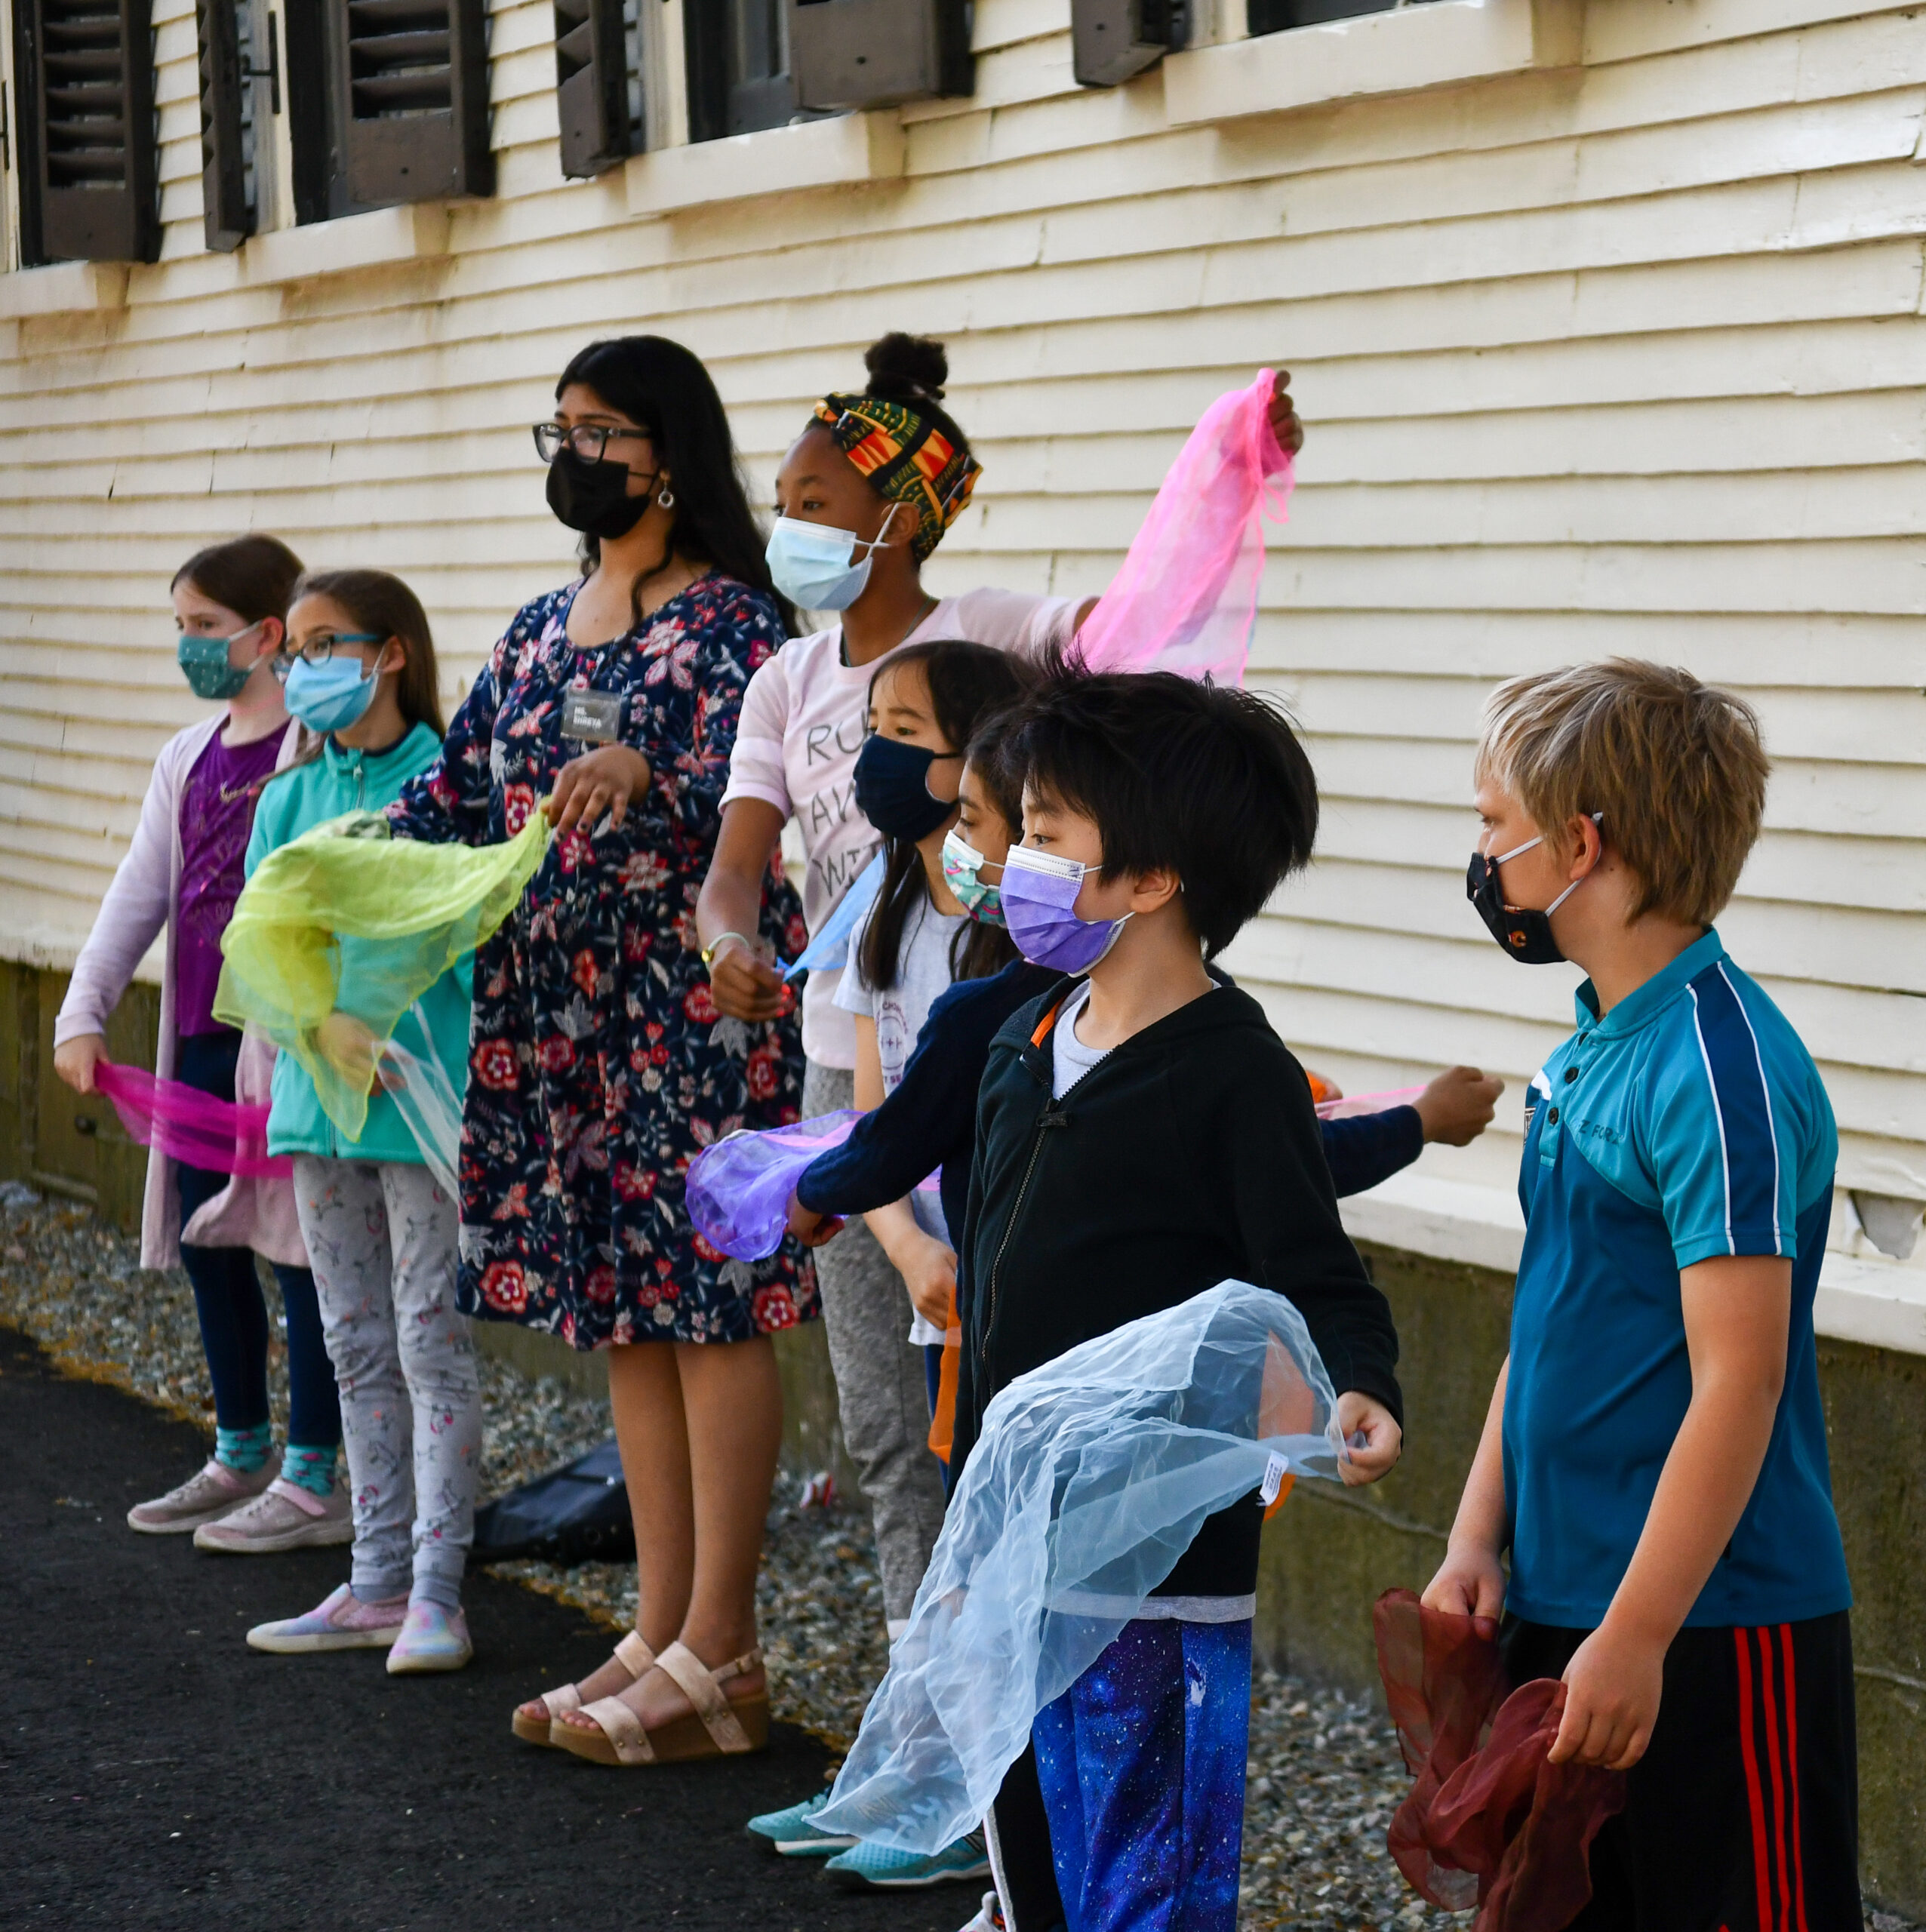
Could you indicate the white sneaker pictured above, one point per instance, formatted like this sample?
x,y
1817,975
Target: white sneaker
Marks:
x,y
284,1516
989,1916
210,1493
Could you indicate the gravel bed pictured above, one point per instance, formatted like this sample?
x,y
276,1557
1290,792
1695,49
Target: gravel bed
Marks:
x,y
1325,1773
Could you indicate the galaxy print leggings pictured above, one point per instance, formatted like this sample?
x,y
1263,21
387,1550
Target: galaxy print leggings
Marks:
x,y
1142,1763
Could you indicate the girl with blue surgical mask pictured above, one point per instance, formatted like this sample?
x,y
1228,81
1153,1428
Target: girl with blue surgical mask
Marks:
x,y
360,674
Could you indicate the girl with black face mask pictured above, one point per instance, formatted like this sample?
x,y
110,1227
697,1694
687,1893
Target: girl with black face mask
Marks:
x,y
597,1066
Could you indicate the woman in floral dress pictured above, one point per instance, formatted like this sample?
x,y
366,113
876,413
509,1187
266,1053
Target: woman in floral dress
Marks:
x,y
599,1063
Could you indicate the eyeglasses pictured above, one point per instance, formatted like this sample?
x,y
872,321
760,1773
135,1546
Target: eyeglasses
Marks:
x,y
319,650
587,440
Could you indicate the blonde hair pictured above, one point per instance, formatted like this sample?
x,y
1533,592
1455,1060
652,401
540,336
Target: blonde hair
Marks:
x,y
1675,768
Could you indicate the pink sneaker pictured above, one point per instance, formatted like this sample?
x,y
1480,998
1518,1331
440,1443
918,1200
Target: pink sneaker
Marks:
x,y
207,1495
284,1516
342,1622
433,1638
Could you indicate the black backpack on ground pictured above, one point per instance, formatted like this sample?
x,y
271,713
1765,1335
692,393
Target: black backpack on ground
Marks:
x,y
576,1514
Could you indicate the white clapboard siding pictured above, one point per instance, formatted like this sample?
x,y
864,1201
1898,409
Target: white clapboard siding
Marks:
x,y
1628,359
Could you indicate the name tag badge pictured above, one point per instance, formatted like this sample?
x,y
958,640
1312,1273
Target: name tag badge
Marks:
x,y
595,716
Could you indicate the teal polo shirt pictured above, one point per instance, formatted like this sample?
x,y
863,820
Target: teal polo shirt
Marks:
x,y
1688,1122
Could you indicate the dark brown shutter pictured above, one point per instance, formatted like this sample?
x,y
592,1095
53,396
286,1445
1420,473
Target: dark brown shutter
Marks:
x,y
226,196
84,69
1113,40
593,91
414,80
860,54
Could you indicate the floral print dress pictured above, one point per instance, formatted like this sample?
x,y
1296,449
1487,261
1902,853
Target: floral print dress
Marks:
x,y
598,1066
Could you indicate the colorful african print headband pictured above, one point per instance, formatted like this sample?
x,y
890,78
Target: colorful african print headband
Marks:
x,y
908,459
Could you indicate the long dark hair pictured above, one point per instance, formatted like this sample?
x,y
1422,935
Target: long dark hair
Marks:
x,y
663,388
384,606
252,576
966,682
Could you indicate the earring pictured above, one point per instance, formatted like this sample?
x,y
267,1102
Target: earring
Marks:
x,y
667,498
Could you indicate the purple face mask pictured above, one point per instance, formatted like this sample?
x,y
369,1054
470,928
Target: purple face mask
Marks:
x,y
1038,892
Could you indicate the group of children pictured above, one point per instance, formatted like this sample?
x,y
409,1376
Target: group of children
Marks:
x,y
1072,1117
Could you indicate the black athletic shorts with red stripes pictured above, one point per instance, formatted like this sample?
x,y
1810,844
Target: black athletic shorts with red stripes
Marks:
x,y
1743,1814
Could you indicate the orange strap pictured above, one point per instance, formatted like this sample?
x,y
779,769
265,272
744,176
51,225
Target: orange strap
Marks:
x,y
1284,1489
1043,1025
942,1424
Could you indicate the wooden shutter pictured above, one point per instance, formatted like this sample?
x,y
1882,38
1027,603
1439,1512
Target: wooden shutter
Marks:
x,y
227,197
1113,41
84,70
597,93
862,54
412,80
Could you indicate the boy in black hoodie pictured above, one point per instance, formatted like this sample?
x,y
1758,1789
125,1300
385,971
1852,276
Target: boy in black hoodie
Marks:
x,y
1142,1134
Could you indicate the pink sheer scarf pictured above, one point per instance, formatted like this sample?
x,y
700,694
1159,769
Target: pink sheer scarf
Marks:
x,y
194,1127
1185,598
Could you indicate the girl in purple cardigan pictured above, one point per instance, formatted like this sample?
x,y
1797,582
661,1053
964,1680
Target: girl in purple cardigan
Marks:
x,y
182,874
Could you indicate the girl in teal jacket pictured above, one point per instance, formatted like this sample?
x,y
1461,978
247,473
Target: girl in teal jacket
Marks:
x,y
381,1234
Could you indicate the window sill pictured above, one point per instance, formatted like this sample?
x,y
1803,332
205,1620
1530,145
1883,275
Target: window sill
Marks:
x,y
1437,44
1879,1303
416,230
62,289
833,153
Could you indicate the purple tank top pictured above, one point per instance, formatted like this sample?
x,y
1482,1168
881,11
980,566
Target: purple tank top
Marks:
x,y
217,815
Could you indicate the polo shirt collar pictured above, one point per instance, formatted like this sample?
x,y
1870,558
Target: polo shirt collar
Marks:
x,y
1640,1009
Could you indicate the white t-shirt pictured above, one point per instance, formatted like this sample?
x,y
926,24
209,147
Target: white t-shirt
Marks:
x,y
1070,1059
804,717
922,976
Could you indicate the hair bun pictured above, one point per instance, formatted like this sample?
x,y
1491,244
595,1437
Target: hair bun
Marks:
x,y
907,368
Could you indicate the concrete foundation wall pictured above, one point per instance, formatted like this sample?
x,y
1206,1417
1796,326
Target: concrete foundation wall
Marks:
x,y
1329,1553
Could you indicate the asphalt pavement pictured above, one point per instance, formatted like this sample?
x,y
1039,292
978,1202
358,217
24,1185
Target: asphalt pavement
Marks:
x,y
155,1772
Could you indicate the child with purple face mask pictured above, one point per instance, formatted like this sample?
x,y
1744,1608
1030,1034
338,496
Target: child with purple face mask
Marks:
x,y
1143,1135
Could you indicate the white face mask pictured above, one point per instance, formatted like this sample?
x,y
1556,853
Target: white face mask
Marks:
x,y
810,562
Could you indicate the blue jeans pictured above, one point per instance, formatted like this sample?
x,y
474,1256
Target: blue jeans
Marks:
x,y
227,1291
1142,1763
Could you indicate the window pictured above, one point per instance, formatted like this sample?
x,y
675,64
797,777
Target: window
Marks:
x,y
1276,15
83,73
387,101
598,88
738,66
230,185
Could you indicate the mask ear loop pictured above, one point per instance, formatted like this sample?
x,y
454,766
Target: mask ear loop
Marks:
x,y
1504,858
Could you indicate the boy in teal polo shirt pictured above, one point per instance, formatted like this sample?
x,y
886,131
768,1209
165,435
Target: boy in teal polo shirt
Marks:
x,y
1654,1456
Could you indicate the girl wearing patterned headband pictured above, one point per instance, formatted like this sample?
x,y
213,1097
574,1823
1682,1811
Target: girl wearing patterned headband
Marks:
x,y
864,495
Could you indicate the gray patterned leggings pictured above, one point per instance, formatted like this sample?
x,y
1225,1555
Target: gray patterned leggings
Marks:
x,y
381,1238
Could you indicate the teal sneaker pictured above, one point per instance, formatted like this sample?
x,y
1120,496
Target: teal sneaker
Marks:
x,y
790,1833
881,1867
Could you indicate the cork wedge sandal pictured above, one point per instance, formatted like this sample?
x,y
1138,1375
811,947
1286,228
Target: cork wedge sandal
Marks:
x,y
632,1654
719,1727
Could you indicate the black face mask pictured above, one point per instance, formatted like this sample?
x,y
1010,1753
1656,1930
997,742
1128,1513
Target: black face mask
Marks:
x,y
893,788
593,498
1524,933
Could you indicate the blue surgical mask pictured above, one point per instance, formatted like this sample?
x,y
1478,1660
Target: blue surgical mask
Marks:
x,y
811,562
331,697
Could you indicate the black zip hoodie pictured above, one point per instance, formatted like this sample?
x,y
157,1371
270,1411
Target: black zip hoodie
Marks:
x,y
1189,1156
